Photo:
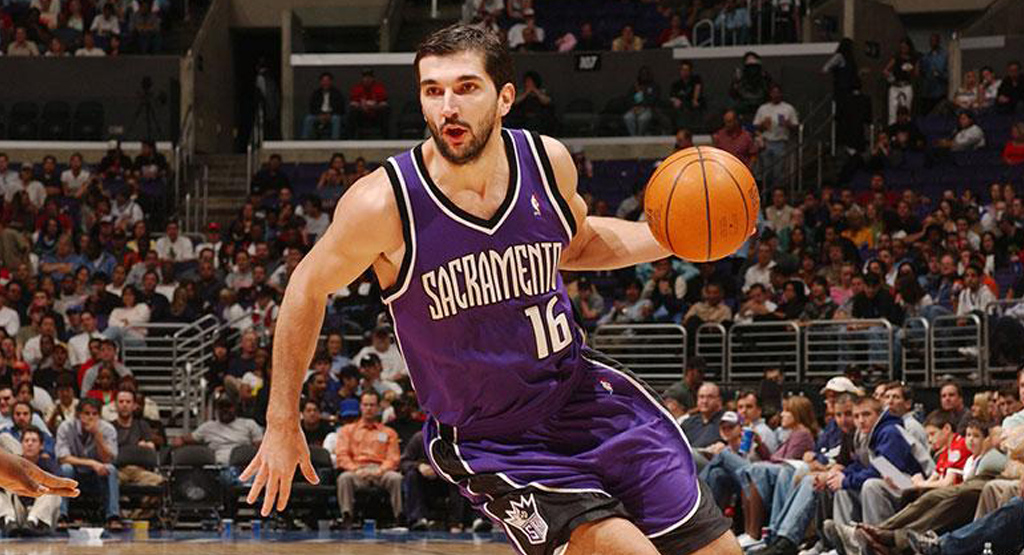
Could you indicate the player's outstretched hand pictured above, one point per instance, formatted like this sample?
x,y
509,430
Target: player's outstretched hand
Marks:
x,y
22,477
282,449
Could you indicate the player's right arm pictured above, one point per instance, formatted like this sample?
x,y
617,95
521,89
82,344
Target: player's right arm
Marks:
x,y
366,226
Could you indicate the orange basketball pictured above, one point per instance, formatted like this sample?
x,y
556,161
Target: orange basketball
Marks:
x,y
702,203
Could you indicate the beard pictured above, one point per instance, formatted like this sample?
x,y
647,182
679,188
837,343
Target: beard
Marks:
x,y
473,148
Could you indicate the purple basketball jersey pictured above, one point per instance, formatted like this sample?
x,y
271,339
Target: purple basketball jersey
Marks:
x,y
481,314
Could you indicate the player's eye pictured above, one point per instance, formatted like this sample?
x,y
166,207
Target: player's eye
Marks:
x,y
434,91
467,88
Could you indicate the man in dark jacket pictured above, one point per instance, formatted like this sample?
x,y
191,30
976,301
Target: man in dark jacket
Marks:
x,y
421,482
862,495
326,107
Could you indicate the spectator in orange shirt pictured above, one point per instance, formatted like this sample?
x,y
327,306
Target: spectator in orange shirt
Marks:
x,y
368,106
367,455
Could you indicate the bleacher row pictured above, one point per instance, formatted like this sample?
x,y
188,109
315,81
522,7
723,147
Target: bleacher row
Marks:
x,y
54,121
975,170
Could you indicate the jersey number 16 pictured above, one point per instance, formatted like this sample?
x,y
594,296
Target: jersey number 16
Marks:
x,y
552,333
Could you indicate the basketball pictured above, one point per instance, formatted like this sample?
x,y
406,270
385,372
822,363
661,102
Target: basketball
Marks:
x,y
701,203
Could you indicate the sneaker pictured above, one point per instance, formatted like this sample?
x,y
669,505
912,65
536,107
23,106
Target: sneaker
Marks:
x,y
923,543
828,532
455,529
746,541
847,536
779,546
36,529
420,525
815,549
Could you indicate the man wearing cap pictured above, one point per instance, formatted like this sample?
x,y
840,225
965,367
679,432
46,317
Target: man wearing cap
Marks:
x,y
367,454
383,346
370,368
212,242
368,105
720,477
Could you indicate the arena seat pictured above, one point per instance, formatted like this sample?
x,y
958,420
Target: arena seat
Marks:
x,y
56,120
194,483
579,119
410,121
89,121
135,496
24,121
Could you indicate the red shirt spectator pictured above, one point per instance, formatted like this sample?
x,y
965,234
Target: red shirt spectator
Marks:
x,y
367,89
953,457
1013,152
735,140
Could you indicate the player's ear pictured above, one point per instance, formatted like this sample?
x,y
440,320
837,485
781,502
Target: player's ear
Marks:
x,y
506,96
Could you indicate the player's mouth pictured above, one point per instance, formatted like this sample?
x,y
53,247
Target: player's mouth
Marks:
x,y
455,134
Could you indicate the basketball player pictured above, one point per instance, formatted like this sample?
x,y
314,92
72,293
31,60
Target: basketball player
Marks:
x,y
466,233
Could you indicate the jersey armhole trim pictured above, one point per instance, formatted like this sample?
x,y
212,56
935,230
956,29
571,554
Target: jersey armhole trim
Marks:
x,y
551,184
408,234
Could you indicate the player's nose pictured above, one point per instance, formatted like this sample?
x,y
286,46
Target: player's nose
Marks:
x,y
449,108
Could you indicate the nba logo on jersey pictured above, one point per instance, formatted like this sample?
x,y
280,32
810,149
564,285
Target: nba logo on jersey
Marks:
x,y
535,204
607,386
525,517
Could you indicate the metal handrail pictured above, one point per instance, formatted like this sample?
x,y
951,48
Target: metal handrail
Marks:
x,y
713,353
909,338
711,34
757,331
948,339
844,338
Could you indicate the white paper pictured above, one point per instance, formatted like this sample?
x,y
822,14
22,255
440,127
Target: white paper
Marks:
x,y
888,470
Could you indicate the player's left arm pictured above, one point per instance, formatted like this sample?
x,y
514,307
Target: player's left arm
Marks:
x,y
600,243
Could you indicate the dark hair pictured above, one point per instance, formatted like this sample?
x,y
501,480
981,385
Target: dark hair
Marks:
x,y
820,280
940,419
369,360
370,391
88,402
327,74
461,38
959,391
535,77
978,425
688,63
16,403
744,393
349,371
905,390
695,362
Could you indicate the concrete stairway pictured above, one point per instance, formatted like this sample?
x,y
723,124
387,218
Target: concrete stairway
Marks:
x,y
228,188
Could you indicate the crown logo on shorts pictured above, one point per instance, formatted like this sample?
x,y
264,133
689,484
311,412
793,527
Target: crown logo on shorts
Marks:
x,y
525,517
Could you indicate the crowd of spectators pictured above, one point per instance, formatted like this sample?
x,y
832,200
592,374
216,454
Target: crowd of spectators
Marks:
x,y
858,467
54,28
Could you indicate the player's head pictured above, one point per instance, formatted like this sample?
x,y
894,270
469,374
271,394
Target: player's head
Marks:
x,y
465,78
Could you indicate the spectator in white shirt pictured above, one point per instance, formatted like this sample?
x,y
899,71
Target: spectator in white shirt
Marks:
x,y
78,346
28,183
21,45
174,246
125,322
89,48
390,358
317,220
241,275
515,34
968,135
776,119
9,319
975,295
32,352
760,272
49,12
56,49
8,177
106,23
75,178
125,210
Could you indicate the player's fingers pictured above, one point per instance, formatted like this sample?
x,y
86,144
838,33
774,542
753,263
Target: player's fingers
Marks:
x,y
257,485
285,492
65,492
268,500
308,471
254,465
57,483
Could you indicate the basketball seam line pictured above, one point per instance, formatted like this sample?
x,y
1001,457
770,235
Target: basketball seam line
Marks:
x,y
746,208
707,201
668,205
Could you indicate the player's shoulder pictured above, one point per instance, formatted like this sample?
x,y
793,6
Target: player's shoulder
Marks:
x,y
372,196
562,164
